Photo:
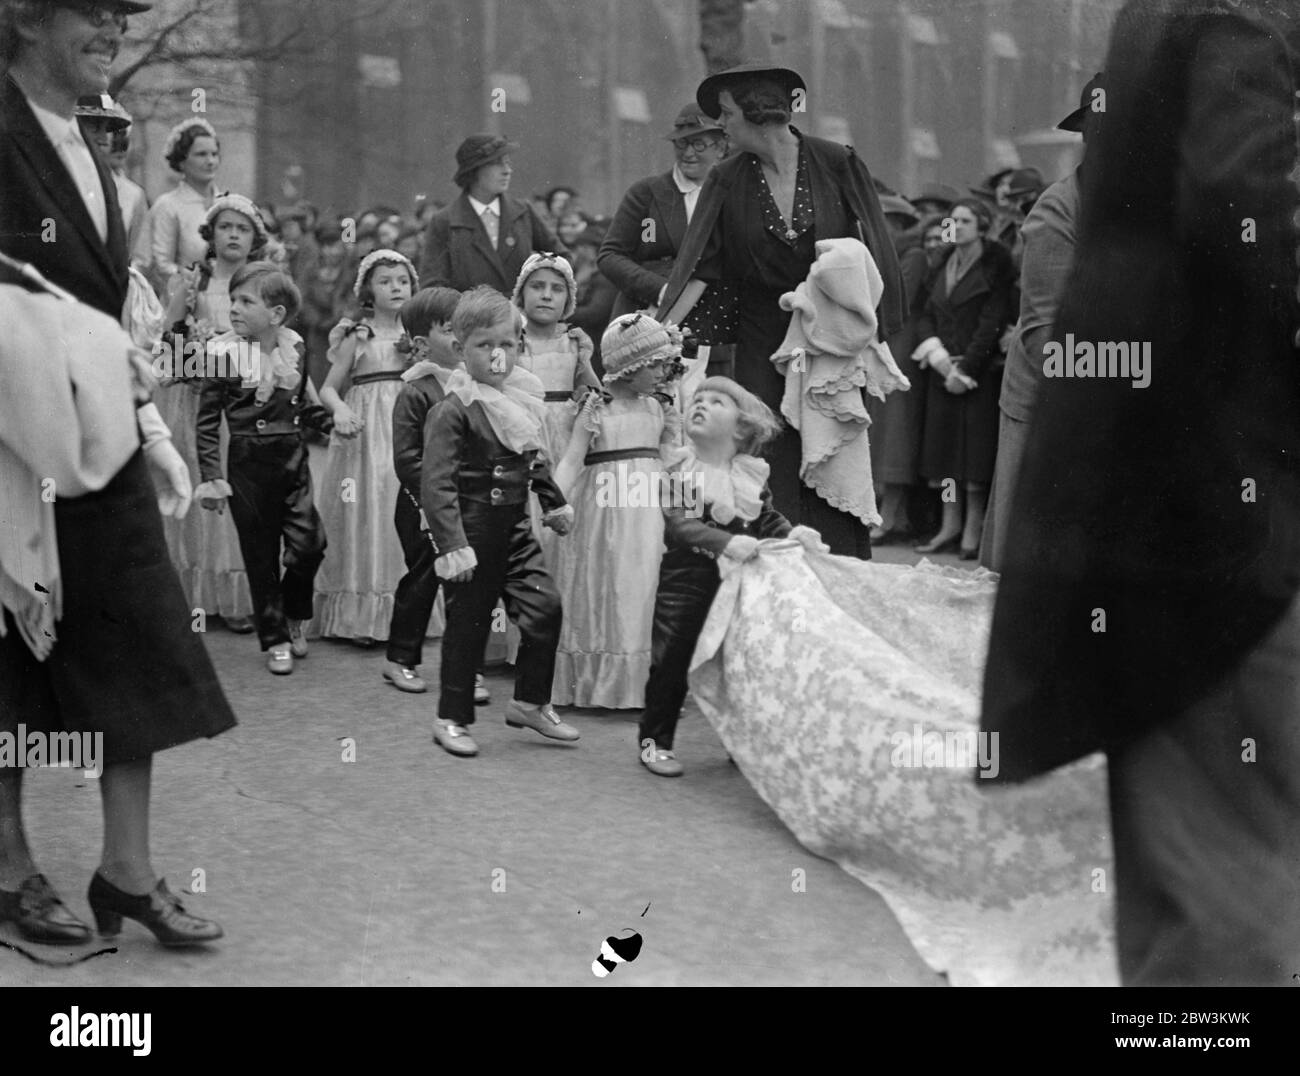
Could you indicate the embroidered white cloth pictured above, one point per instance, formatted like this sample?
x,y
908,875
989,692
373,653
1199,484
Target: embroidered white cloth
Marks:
x,y
829,355
848,692
515,411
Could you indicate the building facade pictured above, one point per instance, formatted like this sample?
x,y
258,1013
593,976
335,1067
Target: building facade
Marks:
x,y
368,108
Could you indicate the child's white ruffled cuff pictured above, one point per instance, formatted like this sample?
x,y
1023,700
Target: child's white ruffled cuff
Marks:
x,y
455,562
215,488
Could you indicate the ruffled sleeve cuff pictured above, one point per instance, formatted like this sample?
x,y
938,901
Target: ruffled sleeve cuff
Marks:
x,y
455,562
214,487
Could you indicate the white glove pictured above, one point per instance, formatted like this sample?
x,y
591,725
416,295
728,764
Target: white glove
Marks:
x,y
171,478
809,539
742,547
931,352
560,520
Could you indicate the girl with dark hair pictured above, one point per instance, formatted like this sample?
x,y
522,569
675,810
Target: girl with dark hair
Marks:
x,y
357,584
192,151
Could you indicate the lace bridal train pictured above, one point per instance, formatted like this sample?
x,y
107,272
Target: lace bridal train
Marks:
x,y
848,693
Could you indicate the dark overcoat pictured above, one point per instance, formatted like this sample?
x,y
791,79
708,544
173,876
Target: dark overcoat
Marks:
x,y
458,253
1155,533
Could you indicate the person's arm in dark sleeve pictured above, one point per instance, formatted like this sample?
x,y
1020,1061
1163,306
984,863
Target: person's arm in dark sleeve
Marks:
x,y
1049,239
879,240
207,428
435,262
770,522
409,413
624,238
543,484
685,529
995,313
445,431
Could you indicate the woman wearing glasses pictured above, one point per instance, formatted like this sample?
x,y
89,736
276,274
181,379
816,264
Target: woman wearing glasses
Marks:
x,y
646,234
105,650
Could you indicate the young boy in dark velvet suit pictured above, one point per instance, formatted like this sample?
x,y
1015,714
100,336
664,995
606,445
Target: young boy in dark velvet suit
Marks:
x,y
725,426
481,460
426,320
267,481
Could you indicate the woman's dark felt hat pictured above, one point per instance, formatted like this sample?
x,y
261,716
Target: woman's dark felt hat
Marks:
x,y
475,152
706,96
939,193
1074,121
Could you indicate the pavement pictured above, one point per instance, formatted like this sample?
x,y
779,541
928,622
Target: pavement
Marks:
x,y
406,866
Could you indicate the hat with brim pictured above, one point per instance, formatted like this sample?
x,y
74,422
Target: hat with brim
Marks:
x,y
893,203
1074,121
990,186
706,96
690,122
478,151
938,193
1025,181
101,106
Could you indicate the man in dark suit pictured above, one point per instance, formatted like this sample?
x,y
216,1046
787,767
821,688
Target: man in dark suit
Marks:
x,y
125,663
1148,601
647,231
483,237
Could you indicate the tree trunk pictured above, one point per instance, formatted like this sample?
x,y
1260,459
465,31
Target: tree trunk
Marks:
x,y
721,34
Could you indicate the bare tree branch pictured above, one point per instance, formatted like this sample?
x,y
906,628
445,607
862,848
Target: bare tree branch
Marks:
x,y
156,48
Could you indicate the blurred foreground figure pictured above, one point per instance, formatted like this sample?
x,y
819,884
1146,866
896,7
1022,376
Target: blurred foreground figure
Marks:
x,y
1148,602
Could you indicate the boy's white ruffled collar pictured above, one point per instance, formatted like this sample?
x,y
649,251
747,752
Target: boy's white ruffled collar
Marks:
x,y
734,492
515,411
278,370
427,368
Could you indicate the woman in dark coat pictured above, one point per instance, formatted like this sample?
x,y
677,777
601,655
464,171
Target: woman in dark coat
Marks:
x,y
755,227
970,303
484,236
898,421
122,663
